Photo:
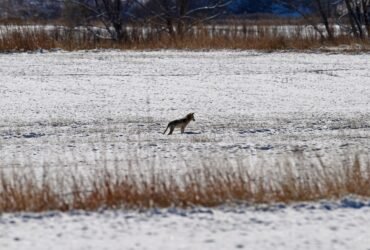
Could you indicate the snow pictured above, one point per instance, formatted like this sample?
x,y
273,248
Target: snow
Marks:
x,y
326,225
83,108
90,109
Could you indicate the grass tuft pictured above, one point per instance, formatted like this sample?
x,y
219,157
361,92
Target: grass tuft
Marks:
x,y
209,185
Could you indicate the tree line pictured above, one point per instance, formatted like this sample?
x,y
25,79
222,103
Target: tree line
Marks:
x,y
177,17
352,16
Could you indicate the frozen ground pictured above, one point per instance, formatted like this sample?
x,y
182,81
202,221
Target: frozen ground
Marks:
x,y
326,225
95,108
87,107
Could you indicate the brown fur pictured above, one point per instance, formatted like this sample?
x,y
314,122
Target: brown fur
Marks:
x,y
180,123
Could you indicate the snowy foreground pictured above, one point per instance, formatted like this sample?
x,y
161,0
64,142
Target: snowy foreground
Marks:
x,y
326,225
93,109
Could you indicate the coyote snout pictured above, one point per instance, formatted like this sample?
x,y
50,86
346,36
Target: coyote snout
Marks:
x,y
180,123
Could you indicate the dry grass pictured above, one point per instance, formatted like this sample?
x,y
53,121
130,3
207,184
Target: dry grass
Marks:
x,y
210,185
21,38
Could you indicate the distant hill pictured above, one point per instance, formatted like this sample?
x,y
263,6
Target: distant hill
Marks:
x,y
24,9
49,9
251,6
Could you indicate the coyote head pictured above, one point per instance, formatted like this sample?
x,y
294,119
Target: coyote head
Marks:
x,y
190,116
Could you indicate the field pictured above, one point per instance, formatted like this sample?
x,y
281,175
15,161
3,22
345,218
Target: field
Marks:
x,y
78,108
89,110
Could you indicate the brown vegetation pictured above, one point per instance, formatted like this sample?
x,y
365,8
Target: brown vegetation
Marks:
x,y
30,38
210,185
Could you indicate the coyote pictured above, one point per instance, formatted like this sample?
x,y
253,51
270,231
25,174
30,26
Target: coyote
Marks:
x,y
180,123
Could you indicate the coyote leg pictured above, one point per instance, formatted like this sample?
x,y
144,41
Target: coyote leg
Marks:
x,y
171,130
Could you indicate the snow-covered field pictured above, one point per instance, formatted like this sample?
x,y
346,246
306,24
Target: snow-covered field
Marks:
x,y
92,109
85,107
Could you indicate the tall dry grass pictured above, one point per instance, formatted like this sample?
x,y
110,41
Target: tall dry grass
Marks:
x,y
209,185
29,38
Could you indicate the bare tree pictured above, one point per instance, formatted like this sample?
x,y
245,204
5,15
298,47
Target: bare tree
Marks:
x,y
308,8
178,17
113,14
73,15
366,15
324,8
358,14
